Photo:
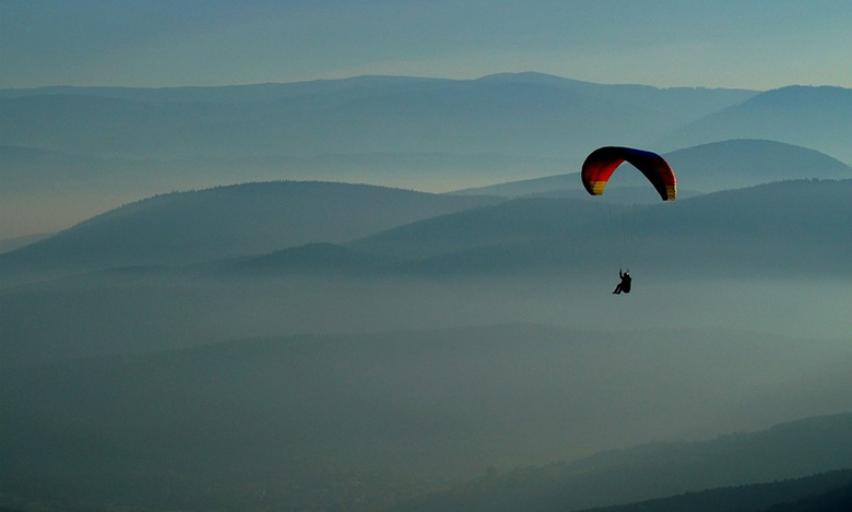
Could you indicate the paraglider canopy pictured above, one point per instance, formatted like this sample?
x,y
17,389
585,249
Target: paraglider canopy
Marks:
x,y
602,162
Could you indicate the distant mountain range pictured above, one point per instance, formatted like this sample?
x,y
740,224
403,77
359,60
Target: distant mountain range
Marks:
x,y
522,114
104,145
83,150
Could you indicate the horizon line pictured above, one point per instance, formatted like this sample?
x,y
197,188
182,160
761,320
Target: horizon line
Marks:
x,y
398,76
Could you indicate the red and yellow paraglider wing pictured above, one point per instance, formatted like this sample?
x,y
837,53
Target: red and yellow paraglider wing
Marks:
x,y
597,170
602,162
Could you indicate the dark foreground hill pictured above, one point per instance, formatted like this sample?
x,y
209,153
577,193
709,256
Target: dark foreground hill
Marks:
x,y
706,168
748,498
836,500
229,221
370,419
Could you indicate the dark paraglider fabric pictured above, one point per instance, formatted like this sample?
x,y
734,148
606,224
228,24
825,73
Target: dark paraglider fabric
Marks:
x,y
602,162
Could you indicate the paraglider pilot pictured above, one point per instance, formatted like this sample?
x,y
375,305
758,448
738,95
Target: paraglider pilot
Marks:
x,y
602,162
624,285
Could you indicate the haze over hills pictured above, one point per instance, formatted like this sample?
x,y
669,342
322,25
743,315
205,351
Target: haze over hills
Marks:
x,y
830,382
441,116
529,259
10,244
707,168
330,346
230,221
714,234
283,415
815,117
78,151
528,114
46,190
82,150
421,100
708,99
247,93
421,133
51,190
785,451
295,256
320,259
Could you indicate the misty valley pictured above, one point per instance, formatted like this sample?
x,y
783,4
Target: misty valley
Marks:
x,y
394,294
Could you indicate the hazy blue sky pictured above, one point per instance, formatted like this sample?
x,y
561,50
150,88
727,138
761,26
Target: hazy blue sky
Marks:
x,y
736,43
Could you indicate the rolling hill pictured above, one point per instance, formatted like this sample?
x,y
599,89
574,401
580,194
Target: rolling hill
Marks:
x,y
814,117
228,221
782,228
795,224
46,190
10,244
745,163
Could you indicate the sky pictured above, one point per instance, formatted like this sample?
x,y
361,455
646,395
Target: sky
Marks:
x,y
724,43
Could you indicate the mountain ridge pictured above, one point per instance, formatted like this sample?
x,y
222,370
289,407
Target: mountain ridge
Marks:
x,y
408,115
